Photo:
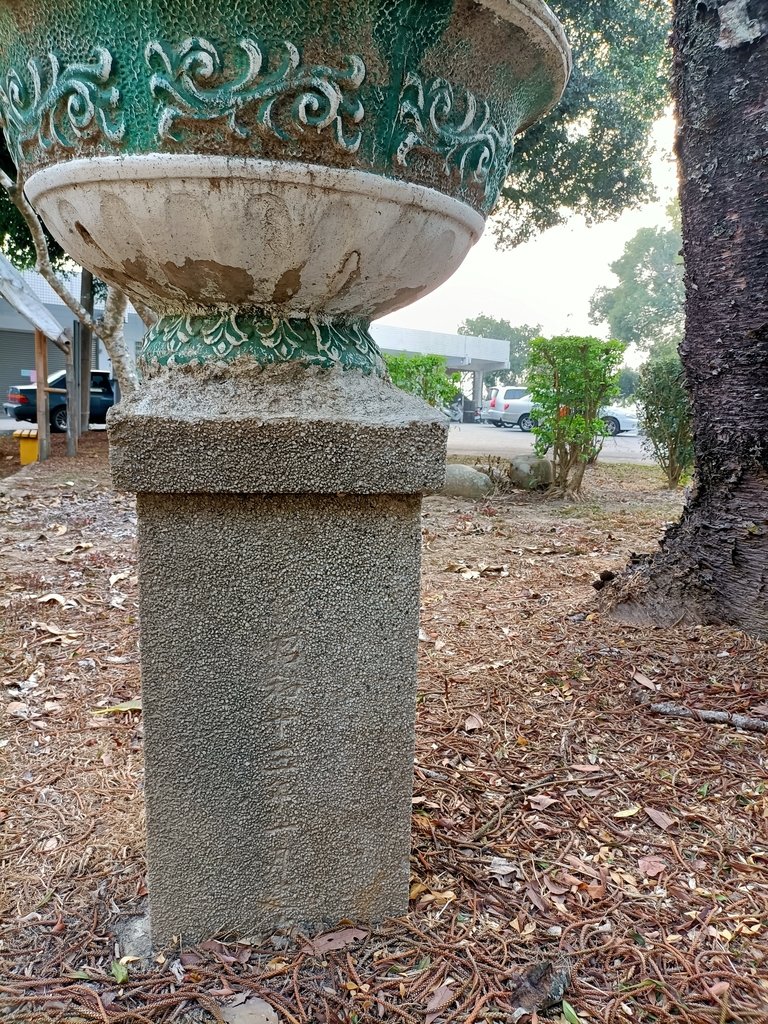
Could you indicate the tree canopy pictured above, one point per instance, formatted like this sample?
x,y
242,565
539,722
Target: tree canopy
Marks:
x,y
591,155
645,308
425,376
519,338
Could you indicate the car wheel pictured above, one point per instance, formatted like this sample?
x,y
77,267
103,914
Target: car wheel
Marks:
x,y
525,423
497,423
612,425
59,420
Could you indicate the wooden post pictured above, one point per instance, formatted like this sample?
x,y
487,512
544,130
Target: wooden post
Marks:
x,y
41,380
73,400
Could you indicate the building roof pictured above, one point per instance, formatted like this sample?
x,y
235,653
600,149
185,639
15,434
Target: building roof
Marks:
x,y
462,352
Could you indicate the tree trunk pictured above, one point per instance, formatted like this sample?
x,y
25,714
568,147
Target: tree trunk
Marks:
x,y
713,566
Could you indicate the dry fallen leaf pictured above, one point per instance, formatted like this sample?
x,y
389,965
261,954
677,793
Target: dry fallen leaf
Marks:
x,y
440,1000
659,818
473,723
252,1011
628,812
643,680
541,803
719,988
334,940
651,867
127,705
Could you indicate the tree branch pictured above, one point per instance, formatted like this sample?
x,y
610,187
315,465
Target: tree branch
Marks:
x,y
110,329
43,265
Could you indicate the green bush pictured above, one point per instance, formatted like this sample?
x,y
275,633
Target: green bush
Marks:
x,y
424,376
570,379
665,416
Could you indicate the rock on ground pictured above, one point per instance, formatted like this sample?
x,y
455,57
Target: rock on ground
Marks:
x,y
529,472
465,482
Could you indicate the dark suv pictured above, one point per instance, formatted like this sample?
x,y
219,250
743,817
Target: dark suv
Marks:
x,y
21,402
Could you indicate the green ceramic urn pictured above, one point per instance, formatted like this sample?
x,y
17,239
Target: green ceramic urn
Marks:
x,y
271,175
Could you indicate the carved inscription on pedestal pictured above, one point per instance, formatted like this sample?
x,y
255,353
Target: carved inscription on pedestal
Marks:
x,y
280,691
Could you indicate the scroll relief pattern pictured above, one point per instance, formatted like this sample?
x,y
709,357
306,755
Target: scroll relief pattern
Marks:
x,y
54,106
189,338
436,119
190,83
60,106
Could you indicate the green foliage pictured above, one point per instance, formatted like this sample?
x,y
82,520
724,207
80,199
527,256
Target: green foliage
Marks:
x,y
15,240
646,307
591,155
424,376
570,379
519,339
665,416
628,379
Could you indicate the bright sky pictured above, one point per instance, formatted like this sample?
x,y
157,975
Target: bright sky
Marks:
x,y
550,280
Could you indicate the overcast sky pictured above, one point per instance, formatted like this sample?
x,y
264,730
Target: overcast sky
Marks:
x,y
549,280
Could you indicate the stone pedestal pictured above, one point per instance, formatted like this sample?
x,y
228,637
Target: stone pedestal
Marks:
x,y
279,550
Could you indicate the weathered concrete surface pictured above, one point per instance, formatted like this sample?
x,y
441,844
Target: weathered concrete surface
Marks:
x,y
278,654
279,624
284,429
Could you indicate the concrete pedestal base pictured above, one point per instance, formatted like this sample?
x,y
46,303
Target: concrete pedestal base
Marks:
x,y
278,644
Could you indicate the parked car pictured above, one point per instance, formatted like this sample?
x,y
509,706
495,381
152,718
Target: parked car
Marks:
x,y
512,407
21,402
619,420
508,407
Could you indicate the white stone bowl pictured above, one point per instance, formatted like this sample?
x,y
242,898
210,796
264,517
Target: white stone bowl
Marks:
x,y
180,231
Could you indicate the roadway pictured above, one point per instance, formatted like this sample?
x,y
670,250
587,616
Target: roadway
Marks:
x,y
485,439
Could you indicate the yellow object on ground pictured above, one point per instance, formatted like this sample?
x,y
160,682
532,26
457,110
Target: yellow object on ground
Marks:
x,y
28,446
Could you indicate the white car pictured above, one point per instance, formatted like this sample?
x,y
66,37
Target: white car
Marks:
x,y
512,407
508,407
619,420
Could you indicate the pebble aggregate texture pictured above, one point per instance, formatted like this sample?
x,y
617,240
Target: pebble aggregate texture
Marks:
x,y
278,670
278,640
282,429
428,91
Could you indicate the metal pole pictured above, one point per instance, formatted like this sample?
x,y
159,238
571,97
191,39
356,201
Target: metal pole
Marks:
x,y
41,380
73,403
86,355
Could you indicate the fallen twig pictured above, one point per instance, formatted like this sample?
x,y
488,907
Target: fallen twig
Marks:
x,y
718,717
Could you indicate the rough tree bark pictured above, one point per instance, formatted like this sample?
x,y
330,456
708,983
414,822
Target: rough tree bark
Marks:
x,y
713,567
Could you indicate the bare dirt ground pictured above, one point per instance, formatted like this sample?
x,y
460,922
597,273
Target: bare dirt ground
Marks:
x,y
567,842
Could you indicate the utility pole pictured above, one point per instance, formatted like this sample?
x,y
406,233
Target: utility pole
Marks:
x,y
73,397
86,353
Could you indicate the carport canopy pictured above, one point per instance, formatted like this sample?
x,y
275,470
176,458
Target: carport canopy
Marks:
x,y
463,353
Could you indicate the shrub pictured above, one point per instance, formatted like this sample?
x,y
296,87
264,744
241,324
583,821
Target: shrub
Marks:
x,y
665,416
424,376
570,379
